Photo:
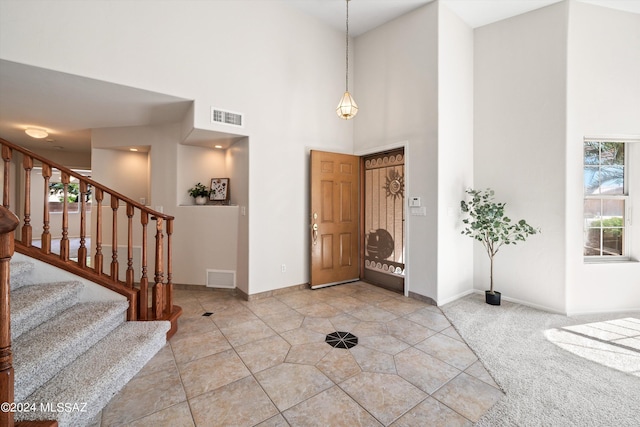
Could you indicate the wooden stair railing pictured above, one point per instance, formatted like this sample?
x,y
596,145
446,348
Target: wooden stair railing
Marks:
x,y
160,306
8,223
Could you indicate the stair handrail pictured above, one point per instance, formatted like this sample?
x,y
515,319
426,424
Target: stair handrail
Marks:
x,y
162,297
8,223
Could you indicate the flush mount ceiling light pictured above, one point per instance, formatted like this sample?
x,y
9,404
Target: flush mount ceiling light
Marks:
x,y
347,108
36,133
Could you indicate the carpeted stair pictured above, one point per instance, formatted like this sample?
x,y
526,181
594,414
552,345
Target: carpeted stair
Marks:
x,y
69,357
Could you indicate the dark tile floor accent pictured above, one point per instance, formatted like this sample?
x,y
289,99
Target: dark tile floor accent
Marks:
x,y
341,340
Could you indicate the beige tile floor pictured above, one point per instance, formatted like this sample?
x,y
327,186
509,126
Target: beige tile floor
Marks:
x,y
266,363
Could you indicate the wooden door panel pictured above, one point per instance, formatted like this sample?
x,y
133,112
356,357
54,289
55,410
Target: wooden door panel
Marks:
x,y
327,202
346,249
334,202
327,251
346,191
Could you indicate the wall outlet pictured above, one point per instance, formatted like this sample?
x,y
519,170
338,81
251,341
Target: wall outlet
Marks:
x,y
283,268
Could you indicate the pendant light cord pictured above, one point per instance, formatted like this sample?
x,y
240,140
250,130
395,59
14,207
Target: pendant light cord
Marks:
x,y
347,54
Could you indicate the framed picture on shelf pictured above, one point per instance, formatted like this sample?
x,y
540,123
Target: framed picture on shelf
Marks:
x,y
219,189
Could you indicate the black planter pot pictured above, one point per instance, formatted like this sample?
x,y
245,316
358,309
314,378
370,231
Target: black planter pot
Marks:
x,y
492,298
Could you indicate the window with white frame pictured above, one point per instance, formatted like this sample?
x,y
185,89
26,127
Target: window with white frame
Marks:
x,y
56,191
606,197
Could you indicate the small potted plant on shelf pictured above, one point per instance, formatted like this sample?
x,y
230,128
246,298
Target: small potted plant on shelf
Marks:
x,y
200,193
488,224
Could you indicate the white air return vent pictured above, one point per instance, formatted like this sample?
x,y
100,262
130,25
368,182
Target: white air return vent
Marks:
x,y
226,117
221,279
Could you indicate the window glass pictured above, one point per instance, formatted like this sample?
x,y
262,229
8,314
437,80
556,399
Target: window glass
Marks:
x,y
605,200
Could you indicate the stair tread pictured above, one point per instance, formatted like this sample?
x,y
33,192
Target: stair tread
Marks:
x,y
35,304
99,373
43,351
19,274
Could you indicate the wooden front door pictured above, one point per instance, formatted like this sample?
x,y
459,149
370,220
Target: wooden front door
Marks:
x,y
335,217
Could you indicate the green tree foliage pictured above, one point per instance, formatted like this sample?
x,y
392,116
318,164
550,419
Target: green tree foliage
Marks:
x,y
73,191
488,224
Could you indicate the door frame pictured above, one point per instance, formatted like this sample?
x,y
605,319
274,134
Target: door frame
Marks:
x,y
379,149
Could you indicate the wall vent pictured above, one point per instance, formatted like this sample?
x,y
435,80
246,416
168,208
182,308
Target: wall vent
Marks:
x,y
221,279
226,117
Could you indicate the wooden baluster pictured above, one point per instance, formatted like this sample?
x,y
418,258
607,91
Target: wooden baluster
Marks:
x,y
158,287
27,230
64,242
82,250
143,308
130,245
6,156
46,235
169,284
114,238
99,256
8,223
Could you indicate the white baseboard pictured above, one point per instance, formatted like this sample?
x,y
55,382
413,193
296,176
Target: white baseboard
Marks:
x,y
586,313
456,297
527,303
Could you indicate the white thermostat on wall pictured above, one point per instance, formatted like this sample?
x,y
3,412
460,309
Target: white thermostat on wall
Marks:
x,y
415,202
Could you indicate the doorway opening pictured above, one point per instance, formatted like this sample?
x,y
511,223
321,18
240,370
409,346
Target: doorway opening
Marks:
x,y
383,216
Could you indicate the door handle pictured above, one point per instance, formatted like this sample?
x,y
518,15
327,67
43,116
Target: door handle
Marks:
x,y
315,234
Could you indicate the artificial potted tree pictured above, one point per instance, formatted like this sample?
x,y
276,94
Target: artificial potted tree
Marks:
x,y
200,193
488,224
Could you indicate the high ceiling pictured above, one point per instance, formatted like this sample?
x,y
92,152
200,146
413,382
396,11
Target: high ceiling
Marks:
x,y
364,15
70,106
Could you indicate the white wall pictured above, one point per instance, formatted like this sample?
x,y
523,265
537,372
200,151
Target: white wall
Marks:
x,y
397,92
238,167
603,99
282,69
519,148
70,159
455,153
126,172
205,237
198,164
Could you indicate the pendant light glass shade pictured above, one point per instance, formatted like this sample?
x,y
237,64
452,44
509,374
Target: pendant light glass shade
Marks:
x,y
347,109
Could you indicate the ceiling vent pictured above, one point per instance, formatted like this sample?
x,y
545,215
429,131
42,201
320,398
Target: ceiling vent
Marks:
x,y
226,117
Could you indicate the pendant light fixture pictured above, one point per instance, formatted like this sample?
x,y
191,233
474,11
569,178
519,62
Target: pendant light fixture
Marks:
x,y
347,108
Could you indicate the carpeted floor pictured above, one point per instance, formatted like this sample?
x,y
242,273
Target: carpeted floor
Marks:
x,y
74,244
555,370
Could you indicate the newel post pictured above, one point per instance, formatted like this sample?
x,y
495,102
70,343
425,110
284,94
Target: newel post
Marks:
x,y
8,223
